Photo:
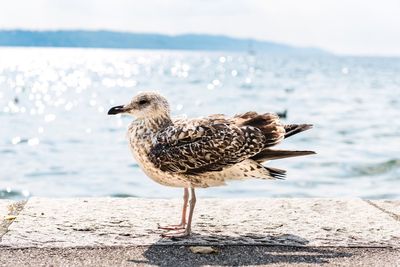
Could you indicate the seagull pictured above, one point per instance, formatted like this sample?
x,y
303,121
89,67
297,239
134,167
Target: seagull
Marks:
x,y
203,152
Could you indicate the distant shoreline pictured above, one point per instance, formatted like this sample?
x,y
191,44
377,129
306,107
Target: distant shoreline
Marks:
x,y
124,40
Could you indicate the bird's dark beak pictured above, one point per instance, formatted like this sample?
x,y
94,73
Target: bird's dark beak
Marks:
x,y
116,110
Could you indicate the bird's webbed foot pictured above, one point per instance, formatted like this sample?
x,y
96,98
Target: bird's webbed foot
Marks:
x,y
172,226
185,232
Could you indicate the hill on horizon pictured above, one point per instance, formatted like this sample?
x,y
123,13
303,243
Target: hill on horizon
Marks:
x,y
125,40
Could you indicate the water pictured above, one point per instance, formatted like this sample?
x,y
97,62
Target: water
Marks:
x,y
57,141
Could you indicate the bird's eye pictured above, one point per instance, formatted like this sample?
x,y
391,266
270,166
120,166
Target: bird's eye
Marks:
x,y
143,102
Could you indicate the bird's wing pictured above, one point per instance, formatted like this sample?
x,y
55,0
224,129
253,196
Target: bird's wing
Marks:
x,y
197,146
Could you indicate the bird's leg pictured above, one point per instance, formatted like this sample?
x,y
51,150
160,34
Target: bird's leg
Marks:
x,y
186,231
183,219
192,204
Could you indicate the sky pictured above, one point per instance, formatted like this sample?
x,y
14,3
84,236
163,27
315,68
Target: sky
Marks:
x,y
361,27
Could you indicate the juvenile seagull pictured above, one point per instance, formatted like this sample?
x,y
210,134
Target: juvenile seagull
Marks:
x,y
203,152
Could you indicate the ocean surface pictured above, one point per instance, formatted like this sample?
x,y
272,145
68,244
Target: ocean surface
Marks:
x,y
57,141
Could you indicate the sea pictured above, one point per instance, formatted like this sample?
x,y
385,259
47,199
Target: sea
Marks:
x,y
56,139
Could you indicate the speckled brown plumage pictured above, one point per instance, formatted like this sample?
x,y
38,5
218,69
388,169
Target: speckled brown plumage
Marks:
x,y
213,143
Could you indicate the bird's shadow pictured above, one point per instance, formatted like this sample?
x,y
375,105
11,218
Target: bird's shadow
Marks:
x,y
230,252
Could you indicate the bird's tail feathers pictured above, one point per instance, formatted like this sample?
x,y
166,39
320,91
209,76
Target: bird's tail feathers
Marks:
x,y
270,154
276,173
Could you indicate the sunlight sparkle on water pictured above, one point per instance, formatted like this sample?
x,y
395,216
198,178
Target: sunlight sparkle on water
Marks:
x,y
179,107
26,193
33,141
68,106
16,140
49,117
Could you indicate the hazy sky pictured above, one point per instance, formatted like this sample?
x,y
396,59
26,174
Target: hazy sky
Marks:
x,y
342,26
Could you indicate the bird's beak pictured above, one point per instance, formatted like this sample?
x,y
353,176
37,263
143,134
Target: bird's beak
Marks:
x,y
117,110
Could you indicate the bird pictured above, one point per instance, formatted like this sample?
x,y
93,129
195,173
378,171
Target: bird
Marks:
x,y
282,114
203,152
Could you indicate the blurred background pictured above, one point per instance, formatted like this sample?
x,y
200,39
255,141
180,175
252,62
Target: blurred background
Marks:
x,y
63,64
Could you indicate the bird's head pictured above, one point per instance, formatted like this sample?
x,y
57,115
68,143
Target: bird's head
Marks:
x,y
145,105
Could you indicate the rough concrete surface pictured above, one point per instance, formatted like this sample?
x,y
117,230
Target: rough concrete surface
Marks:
x,y
391,207
181,256
101,222
4,203
8,210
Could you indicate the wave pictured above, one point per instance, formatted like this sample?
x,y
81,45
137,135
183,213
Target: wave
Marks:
x,y
377,168
11,194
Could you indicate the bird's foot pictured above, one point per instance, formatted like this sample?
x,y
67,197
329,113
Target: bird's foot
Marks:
x,y
172,226
185,232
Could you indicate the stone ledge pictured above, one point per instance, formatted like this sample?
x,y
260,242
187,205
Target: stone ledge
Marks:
x,y
8,210
391,207
4,204
105,222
